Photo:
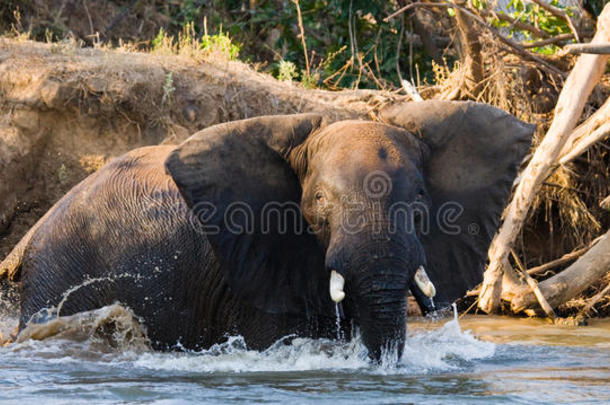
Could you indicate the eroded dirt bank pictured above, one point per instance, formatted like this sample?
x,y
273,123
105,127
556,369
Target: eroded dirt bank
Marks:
x,y
65,111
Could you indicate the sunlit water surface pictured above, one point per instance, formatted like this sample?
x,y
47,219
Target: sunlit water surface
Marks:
x,y
480,359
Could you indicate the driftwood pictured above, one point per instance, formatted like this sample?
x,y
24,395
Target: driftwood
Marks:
x,y
578,86
572,281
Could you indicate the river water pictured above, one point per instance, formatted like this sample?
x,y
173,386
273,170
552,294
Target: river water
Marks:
x,y
487,360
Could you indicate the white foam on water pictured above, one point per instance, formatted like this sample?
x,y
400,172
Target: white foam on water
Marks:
x,y
446,348
77,338
232,356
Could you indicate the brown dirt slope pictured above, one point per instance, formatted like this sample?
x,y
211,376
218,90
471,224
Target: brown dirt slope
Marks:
x,y
65,111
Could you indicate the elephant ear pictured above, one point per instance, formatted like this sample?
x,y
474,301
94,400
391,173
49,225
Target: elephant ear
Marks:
x,y
244,195
475,153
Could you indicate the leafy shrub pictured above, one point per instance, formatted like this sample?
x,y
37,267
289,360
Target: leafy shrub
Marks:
x,y
286,71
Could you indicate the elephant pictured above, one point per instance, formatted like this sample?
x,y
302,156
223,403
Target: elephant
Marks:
x,y
268,227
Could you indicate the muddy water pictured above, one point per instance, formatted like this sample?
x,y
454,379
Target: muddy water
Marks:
x,y
478,360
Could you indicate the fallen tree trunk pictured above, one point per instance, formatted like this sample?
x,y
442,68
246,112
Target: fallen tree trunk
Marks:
x,y
576,90
572,281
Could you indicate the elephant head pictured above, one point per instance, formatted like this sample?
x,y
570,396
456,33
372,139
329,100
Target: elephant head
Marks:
x,y
295,207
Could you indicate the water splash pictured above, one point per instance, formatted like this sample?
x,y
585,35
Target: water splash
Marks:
x,y
9,311
338,321
89,281
445,348
115,330
112,326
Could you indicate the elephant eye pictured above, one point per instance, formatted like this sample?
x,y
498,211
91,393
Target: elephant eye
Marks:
x,y
420,196
320,200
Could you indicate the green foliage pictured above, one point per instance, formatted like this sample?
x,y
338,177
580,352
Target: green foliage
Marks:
x,y
533,14
349,45
340,56
220,43
310,81
189,43
159,40
286,71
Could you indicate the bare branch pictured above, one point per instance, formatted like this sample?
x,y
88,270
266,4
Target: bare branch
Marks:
x,y
572,281
595,299
568,257
515,47
515,23
605,204
586,134
548,310
598,49
471,47
302,34
549,41
595,136
415,5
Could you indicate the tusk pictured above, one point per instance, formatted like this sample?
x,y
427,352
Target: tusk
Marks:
x,y
336,286
423,282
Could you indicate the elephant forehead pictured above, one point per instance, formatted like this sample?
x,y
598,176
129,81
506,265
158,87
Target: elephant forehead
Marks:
x,y
364,144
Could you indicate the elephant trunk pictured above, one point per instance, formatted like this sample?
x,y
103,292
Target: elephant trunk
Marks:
x,y
382,316
373,277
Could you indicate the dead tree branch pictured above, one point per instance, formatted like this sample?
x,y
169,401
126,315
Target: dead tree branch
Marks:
x,y
594,129
548,310
595,299
568,257
473,60
514,47
576,90
572,281
595,136
553,40
515,23
598,49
